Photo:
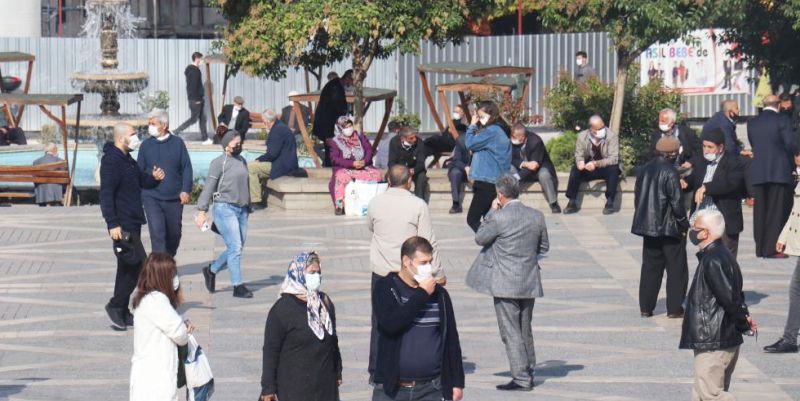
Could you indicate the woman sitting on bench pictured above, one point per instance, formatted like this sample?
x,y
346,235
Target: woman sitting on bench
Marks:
x,y
351,158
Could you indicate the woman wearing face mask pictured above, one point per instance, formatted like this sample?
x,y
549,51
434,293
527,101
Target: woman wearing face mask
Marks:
x,y
227,184
487,139
351,157
301,358
159,331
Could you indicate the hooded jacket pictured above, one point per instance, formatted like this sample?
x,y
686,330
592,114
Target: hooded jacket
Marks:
x,y
121,184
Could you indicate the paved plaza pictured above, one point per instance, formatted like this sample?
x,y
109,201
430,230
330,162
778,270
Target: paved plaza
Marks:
x,y
57,272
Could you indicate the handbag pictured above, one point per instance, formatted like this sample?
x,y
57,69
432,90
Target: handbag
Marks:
x,y
358,194
199,378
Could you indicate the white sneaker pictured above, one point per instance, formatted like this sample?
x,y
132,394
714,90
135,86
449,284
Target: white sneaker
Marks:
x,y
208,142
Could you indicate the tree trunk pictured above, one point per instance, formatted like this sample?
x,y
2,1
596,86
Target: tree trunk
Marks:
x,y
623,64
358,84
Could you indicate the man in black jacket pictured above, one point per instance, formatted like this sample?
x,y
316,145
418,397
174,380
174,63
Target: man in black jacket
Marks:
x,y
660,218
457,172
332,105
288,117
725,120
690,144
719,179
236,117
716,313
530,159
412,309
404,149
121,184
773,142
194,91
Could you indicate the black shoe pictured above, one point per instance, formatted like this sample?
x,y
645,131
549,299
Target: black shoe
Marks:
x,y
128,319
647,314
456,209
572,207
339,211
513,386
117,317
609,208
257,206
555,208
678,315
210,279
240,291
781,347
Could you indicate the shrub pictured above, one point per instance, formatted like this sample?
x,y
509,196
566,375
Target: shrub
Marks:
x,y
157,100
404,118
562,150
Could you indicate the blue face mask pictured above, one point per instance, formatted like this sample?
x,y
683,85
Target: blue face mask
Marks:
x,y
313,281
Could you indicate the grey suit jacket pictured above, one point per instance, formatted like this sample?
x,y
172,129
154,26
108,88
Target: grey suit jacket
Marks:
x,y
507,267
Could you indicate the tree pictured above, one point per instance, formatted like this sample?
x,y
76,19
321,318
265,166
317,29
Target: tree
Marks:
x,y
633,26
266,37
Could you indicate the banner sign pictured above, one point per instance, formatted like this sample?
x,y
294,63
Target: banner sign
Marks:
x,y
696,65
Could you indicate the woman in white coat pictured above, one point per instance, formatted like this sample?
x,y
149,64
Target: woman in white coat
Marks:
x,y
159,330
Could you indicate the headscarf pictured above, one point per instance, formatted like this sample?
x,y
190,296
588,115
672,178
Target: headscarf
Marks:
x,y
295,284
350,146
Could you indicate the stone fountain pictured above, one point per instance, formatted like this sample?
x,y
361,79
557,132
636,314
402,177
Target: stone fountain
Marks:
x,y
107,20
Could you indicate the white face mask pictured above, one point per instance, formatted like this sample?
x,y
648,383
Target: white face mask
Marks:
x,y
601,133
516,142
484,120
456,116
348,131
664,127
407,144
313,281
176,283
578,62
710,156
134,142
424,272
153,130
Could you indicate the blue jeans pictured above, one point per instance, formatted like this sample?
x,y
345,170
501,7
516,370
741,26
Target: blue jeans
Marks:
x,y
164,222
231,221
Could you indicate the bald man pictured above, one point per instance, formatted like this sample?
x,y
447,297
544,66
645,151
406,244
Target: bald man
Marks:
x,y
773,142
596,158
725,120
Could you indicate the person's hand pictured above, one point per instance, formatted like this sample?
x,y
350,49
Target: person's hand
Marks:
x,y
359,164
531,165
684,184
475,119
158,173
458,394
189,326
590,166
780,247
747,153
429,284
466,170
269,397
752,323
339,383
200,219
581,165
411,171
496,204
700,194
442,281
115,233
686,165
185,198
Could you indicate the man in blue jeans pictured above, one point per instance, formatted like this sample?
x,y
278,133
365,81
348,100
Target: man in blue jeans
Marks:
x,y
163,205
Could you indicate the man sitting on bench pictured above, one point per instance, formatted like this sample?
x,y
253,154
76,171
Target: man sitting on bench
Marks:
x,y
596,158
48,194
532,163
280,159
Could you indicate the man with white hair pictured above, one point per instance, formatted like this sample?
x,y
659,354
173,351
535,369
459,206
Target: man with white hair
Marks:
x,y
596,158
690,144
163,205
48,194
716,313
280,159
236,117
288,117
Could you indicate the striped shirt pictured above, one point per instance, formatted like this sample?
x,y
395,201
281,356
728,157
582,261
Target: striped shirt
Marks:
x,y
421,346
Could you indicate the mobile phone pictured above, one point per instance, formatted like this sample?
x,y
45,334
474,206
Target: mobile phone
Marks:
x,y
126,236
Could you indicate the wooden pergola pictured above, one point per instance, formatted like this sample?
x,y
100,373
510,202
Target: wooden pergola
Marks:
x,y
486,79
208,60
17,57
505,85
43,101
370,95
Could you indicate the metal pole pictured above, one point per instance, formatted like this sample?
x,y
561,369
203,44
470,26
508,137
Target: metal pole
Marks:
x,y
155,18
519,17
60,18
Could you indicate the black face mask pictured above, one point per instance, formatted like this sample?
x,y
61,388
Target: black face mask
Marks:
x,y
237,150
693,237
734,117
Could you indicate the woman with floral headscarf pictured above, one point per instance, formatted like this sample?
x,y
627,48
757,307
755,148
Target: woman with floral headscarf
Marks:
x,y
351,158
301,354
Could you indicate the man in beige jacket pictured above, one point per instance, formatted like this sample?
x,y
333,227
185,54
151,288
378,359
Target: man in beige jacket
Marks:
x,y
394,217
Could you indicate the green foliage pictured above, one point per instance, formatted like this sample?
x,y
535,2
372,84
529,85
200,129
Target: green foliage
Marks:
x,y
572,103
404,118
262,134
50,133
562,150
197,188
512,109
157,100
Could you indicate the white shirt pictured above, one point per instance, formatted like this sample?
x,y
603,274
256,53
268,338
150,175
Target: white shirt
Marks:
x,y
711,168
234,115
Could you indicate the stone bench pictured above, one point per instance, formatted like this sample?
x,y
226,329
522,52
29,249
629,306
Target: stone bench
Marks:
x,y
311,193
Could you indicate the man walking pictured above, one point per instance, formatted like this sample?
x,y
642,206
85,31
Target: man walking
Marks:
x,y
716,314
163,205
121,184
194,91
773,142
419,353
660,218
513,236
392,218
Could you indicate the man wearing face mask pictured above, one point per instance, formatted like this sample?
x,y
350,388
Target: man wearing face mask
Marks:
x,y
689,142
583,70
532,163
596,158
288,116
419,352
719,181
121,183
512,236
445,141
163,205
404,149
660,219
725,120
716,312
236,117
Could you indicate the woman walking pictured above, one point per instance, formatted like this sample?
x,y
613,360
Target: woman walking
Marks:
x,y
301,354
228,185
488,139
351,157
159,331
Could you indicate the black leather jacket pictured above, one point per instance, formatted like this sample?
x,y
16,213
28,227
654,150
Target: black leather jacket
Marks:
x,y
657,197
716,315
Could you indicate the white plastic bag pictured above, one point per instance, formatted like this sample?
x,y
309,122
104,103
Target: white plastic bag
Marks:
x,y
198,370
358,194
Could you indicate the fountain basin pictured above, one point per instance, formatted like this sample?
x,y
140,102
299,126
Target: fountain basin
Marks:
x,y
108,82
107,121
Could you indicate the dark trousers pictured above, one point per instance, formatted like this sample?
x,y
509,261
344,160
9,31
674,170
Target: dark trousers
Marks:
x,y
483,194
440,143
731,241
164,220
425,391
198,109
127,275
772,208
457,177
326,161
658,254
421,185
608,174
373,334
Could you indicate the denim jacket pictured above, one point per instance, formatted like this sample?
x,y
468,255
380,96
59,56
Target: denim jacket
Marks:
x,y
491,153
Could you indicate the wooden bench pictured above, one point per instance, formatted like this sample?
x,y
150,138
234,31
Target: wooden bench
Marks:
x,y
48,173
257,121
